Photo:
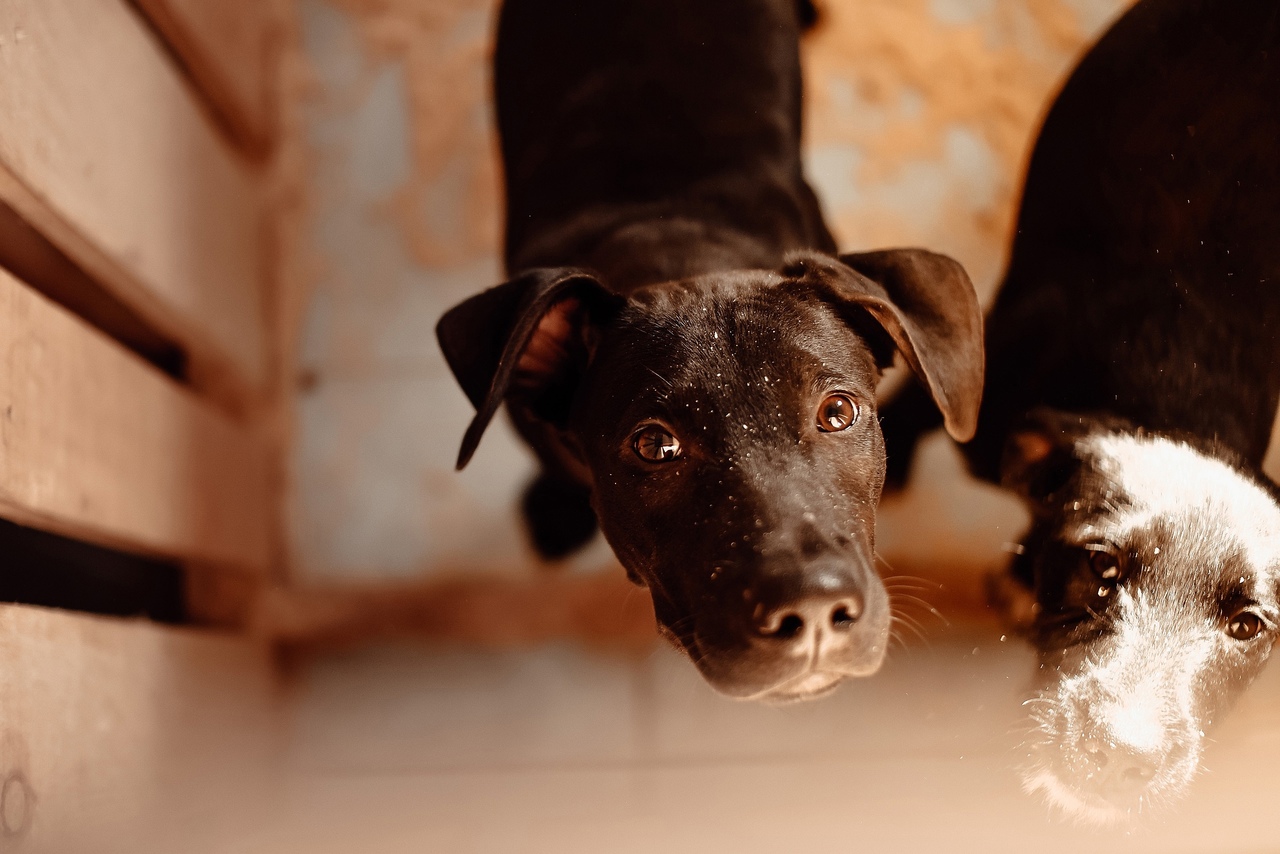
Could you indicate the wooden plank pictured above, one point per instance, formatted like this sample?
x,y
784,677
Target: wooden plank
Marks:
x,y
125,736
105,151
597,608
97,444
30,256
227,47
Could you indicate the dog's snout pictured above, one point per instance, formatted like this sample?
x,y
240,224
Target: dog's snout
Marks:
x,y
795,619
823,600
1117,768
805,623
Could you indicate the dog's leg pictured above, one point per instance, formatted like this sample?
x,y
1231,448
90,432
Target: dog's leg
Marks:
x,y
808,14
559,515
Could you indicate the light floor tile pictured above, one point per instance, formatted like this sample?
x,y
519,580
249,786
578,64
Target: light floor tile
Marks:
x,y
408,709
559,749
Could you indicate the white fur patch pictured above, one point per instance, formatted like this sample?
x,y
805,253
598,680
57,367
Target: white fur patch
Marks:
x,y
1140,694
1149,679
1137,688
1136,719
1167,479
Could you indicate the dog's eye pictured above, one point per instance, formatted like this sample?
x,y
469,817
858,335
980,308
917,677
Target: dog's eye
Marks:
x,y
656,444
1244,626
837,412
1105,566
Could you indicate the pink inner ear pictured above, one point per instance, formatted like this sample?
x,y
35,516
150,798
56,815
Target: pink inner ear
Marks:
x,y
1031,447
548,349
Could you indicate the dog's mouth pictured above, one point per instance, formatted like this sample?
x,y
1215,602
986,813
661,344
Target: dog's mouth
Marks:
x,y
1084,783
1100,805
807,686
810,683
1084,807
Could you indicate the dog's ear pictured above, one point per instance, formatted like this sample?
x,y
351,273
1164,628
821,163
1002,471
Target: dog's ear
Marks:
x,y
926,305
1040,456
529,338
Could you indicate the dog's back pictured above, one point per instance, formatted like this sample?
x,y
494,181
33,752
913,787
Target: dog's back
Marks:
x,y
632,129
679,343
1145,276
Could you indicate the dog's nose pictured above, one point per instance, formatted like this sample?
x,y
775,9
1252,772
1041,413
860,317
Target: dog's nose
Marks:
x,y
794,619
829,602
1117,768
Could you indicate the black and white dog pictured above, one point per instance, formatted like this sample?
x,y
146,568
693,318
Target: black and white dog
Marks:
x,y
1133,377
692,363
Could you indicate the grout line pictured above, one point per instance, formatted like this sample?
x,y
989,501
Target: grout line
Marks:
x,y
670,764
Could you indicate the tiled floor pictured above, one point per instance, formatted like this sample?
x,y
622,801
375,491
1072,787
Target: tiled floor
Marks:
x,y
559,749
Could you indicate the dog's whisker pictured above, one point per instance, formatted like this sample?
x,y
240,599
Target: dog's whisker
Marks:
x,y
906,618
898,625
908,591
920,594
899,598
1032,700
895,641
913,579
916,630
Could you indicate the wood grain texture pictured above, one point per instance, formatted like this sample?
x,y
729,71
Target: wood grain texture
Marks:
x,y
104,149
124,736
97,444
227,47
597,608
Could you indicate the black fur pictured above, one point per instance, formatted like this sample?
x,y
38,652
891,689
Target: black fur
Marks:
x,y
1142,300
672,270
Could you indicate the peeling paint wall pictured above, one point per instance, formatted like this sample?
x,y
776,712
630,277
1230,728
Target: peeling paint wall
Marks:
x,y
921,112
919,117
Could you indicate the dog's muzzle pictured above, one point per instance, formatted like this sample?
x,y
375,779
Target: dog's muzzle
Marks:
x,y
796,635
1107,762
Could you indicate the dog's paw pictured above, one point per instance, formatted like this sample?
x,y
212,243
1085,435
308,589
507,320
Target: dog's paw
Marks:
x,y
559,515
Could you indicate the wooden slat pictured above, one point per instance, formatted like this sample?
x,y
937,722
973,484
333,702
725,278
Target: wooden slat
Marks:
x,y
597,608
32,258
226,46
105,150
97,444
125,736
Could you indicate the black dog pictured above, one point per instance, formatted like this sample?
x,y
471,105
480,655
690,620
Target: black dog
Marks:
x,y
1132,381
692,364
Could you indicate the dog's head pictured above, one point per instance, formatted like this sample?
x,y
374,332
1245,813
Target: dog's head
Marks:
x,y
1155,569
726,426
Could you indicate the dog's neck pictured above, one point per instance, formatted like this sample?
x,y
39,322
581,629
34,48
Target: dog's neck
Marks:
x,y
668,250
1171,357
1196,370
631,246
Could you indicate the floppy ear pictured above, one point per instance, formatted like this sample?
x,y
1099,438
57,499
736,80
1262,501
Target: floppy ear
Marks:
x,y
926,305
529,338
1040,455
